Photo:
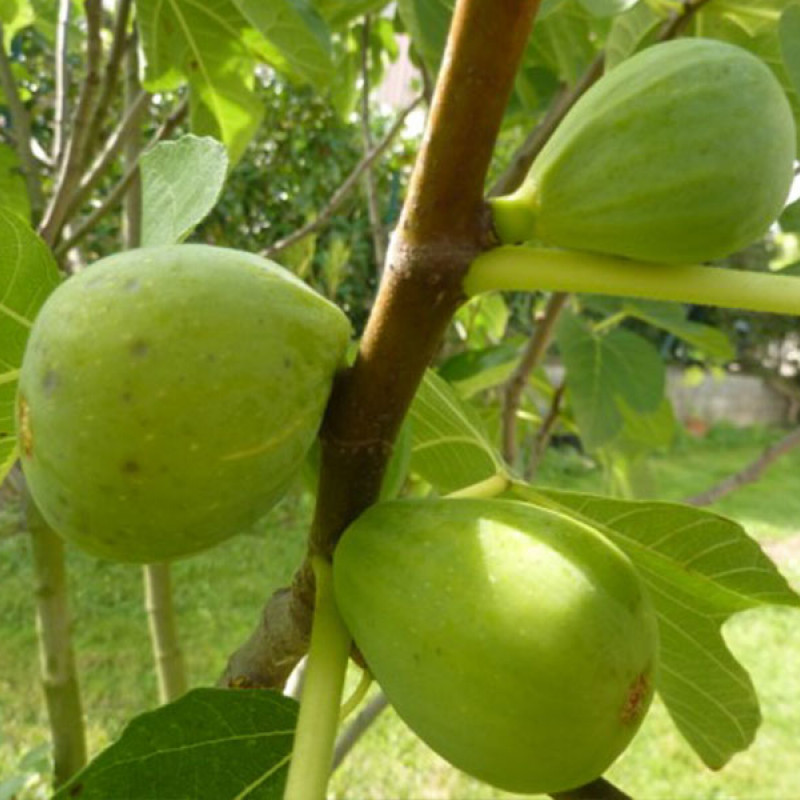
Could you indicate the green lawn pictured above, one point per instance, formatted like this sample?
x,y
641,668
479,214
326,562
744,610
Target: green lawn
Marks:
x,y
218,596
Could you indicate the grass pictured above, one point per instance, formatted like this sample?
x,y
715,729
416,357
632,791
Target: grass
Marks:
x,y
218,596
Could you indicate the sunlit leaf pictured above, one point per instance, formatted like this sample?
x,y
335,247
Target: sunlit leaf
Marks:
x,y
28,274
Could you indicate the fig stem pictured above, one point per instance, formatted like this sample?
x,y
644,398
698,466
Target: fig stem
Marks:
x,y
491,487
359,693
524,268
312,757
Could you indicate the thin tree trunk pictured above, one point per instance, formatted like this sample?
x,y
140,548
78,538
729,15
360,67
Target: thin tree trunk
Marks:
x,y
167,653
59,677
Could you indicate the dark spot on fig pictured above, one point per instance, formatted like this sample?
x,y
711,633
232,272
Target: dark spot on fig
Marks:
x,y
287,362
76,790
131,467
4,434
131,285
50,381
636,701
126,397
139,348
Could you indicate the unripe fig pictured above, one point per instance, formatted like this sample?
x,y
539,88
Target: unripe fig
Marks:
x,y
168,396
683,153
517,642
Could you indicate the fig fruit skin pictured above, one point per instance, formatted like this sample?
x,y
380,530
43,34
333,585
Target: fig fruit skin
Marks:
x,y
683,153
516,642
168,396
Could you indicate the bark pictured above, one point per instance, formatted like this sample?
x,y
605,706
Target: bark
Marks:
x,y
58,673
443,226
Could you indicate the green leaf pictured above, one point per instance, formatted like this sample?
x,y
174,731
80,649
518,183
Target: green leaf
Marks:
x,y
607,8
427,22
298,32
629,33
601,370
699,568
790,219
28,274
212,744
671,317
474,371
789,32
755,26
13,191
181,182
451,448
210,46
15,15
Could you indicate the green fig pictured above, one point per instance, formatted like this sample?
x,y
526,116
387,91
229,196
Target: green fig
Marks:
x,y
683,153
517,642
168,396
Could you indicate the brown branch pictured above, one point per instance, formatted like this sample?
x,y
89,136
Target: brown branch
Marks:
x,y
127,129
22,130
70,168
122,186
750,474
532,354
678,20
347,186
442,227
373,207
119,44
545,431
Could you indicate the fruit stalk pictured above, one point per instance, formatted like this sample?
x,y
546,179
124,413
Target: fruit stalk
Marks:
x,y
526,269
312,757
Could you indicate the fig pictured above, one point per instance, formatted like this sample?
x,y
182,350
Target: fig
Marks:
x,y
168,396
516,642
682,153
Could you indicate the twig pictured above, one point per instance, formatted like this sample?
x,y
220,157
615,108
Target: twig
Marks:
x,y
521,162
127,128
347,186
358,727
119,189
70,168
545,431
373,207
534,350
750,474
678,20
22,130
62,81
119,44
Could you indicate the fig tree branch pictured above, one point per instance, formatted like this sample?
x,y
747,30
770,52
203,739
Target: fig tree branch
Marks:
x,y
350,183
70,168
21,130
121,187
61,101
535,349
119,44
545,431
442,227
127,128
749,474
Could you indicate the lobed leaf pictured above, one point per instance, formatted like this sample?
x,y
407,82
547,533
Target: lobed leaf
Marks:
x,y
28,274
450,446
700,568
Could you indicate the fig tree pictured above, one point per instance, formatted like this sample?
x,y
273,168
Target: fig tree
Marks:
x,y
682,153
517,642
168,396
